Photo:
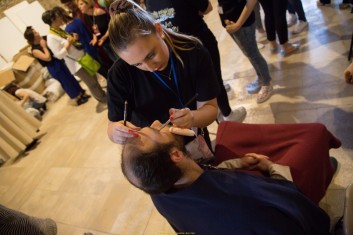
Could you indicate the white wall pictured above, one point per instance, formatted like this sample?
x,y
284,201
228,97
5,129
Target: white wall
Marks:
x,y
13,26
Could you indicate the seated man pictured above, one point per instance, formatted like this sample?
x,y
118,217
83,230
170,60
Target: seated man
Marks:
x,y
199,201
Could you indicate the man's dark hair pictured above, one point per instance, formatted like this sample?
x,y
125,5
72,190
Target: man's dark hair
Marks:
x,y
153,169
29,35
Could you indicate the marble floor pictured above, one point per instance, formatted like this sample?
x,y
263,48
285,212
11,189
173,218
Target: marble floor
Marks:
x,y
73,175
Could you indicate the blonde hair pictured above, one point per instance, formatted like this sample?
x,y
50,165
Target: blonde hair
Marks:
x,y
129,22
90,3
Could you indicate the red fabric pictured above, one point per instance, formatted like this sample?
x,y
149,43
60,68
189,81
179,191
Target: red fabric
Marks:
x,y
303,147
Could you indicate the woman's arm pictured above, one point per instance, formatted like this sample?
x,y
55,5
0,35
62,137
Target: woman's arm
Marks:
x,y
42,55
59,46
232,27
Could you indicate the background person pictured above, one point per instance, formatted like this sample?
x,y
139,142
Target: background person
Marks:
x,y
56,67
65,46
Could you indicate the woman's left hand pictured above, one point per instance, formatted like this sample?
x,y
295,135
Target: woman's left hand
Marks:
x,y
182,117
231,26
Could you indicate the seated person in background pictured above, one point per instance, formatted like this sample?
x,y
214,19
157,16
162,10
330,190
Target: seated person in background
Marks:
x,y
30,100
348,73
202,201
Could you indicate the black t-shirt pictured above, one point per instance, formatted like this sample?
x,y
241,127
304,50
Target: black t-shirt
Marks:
x,y
232,9
102,22
148,99
179,15
188,18
163,12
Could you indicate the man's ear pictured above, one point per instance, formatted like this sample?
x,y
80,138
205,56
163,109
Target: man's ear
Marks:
x,y
176,155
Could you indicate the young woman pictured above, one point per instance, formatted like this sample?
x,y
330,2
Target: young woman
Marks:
x,y
57,68
187,16
66,46
97,20
75,25
239,20
276,26
159,71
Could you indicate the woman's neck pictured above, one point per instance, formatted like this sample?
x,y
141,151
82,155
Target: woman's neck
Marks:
x,y
90,11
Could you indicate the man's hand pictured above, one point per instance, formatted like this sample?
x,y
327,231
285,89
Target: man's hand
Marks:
x,y
251,160
263,162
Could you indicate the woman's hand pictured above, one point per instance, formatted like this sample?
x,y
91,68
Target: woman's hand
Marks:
x,y
75,36
101,40
43,43
183,118
94,40
118,133
231,26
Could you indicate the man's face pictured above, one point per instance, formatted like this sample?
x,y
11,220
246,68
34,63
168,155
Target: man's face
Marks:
x,y
151,136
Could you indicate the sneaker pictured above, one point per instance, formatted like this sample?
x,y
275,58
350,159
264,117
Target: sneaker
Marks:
x,y
300,26
264,94
343,6
274,49
237,115
254,87
260,45
292,47
292,20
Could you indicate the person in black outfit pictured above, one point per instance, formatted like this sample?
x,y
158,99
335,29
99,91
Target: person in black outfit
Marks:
x,y
186,16
276,26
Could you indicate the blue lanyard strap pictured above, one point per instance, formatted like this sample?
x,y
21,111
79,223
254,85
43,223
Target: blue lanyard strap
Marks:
x,y
175,78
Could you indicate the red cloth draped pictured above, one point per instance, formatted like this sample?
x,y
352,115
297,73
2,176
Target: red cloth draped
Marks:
x,y
303,147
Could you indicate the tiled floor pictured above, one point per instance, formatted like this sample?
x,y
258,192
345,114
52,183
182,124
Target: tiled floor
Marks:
x,y
74,177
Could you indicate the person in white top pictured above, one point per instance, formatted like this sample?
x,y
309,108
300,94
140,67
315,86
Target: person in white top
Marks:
x,y
66,46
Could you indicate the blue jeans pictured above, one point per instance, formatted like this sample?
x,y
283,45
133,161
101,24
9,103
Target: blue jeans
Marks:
x,y
245,39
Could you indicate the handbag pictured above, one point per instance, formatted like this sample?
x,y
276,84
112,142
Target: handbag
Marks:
x,y
89,64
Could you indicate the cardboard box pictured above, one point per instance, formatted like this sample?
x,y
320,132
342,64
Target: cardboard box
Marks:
x,y
6,77
23,63
28,71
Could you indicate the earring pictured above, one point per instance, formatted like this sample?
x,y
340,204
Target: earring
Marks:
x,y
162,36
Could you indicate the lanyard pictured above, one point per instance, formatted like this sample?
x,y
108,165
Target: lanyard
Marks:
x,y
175,78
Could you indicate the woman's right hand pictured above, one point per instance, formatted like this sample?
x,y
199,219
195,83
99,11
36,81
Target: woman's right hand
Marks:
x,y
118,133
43,43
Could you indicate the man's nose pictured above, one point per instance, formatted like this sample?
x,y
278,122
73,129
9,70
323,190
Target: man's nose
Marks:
x,y
156,124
